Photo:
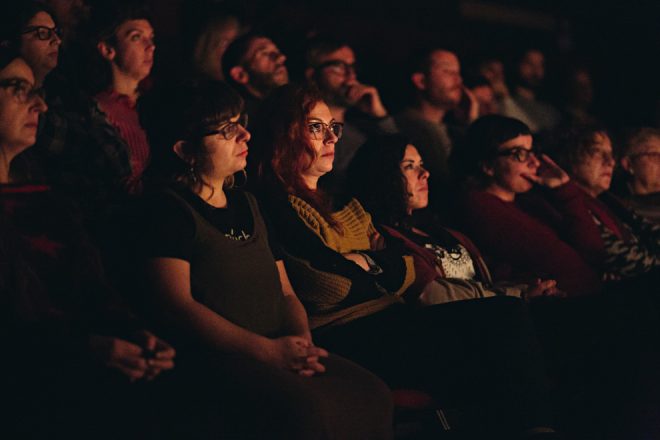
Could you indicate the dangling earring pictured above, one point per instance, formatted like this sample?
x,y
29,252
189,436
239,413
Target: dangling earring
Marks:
x,y
192,175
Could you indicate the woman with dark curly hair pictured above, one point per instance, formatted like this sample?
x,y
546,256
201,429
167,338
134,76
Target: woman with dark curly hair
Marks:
x,y
351,279
388,177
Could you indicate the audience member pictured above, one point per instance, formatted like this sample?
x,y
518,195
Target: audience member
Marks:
x,y
255,66
621,244
523,239
215,286
208,33
124,38
332,67
528,79
71,349
350,281
438,86
578,98
640,160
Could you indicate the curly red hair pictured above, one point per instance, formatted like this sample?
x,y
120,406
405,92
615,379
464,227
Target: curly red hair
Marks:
x,y
283,144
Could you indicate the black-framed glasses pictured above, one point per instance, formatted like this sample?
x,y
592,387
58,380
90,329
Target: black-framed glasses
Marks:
x,y
319,130
519,154
339,67
230,129
653,155
22,90
44,33
602,155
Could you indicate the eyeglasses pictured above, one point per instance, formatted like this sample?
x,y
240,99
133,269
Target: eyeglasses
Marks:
x,y
521,155
339,67
653,155
230,129
22,90
604,156
319,130
44,33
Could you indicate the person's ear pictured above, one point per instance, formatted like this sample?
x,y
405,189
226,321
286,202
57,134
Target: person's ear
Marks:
x,y
239,74
179,149
487,169
626,164
107,52
419,80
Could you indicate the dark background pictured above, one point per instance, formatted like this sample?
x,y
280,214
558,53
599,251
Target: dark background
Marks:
x,y
618,41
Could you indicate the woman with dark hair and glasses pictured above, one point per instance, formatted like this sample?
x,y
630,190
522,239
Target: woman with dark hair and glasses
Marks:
x,y
71,351
216,288
29,27
523,237
351,282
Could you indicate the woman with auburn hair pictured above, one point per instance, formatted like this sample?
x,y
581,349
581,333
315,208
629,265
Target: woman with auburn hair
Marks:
x,y
351,281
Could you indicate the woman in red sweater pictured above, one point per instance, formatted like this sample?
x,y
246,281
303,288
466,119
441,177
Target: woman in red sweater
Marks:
x,y
629,245
524,238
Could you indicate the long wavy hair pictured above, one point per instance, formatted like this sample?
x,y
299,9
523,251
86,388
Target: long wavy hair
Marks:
x,y
282,147
376,180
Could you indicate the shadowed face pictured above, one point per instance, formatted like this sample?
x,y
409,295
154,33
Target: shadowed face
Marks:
x,y
19,108
417,179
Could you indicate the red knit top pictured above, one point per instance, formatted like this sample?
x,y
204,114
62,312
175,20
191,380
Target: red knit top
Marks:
x,y
122,114
520,245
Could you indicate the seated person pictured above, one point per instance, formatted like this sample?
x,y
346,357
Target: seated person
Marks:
x,y
74,350
524,239
640,160
389,178
217,289
77,152
351,283
629,245
124,39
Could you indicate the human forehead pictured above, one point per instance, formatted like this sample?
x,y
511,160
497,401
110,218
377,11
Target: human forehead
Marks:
x,y
260,44
18,69
534,57
411,154
444,60
652,144
42,18
320,111
141,25
344,54
520,141
602,142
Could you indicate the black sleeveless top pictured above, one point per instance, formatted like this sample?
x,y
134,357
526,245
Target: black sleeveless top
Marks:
x,y
232,269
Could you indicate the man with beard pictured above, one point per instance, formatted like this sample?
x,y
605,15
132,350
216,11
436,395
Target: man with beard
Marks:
x,y
530,73
255,66
331,66
438,89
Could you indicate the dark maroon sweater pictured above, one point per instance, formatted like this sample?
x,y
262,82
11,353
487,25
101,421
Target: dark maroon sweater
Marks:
x,y
522,243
